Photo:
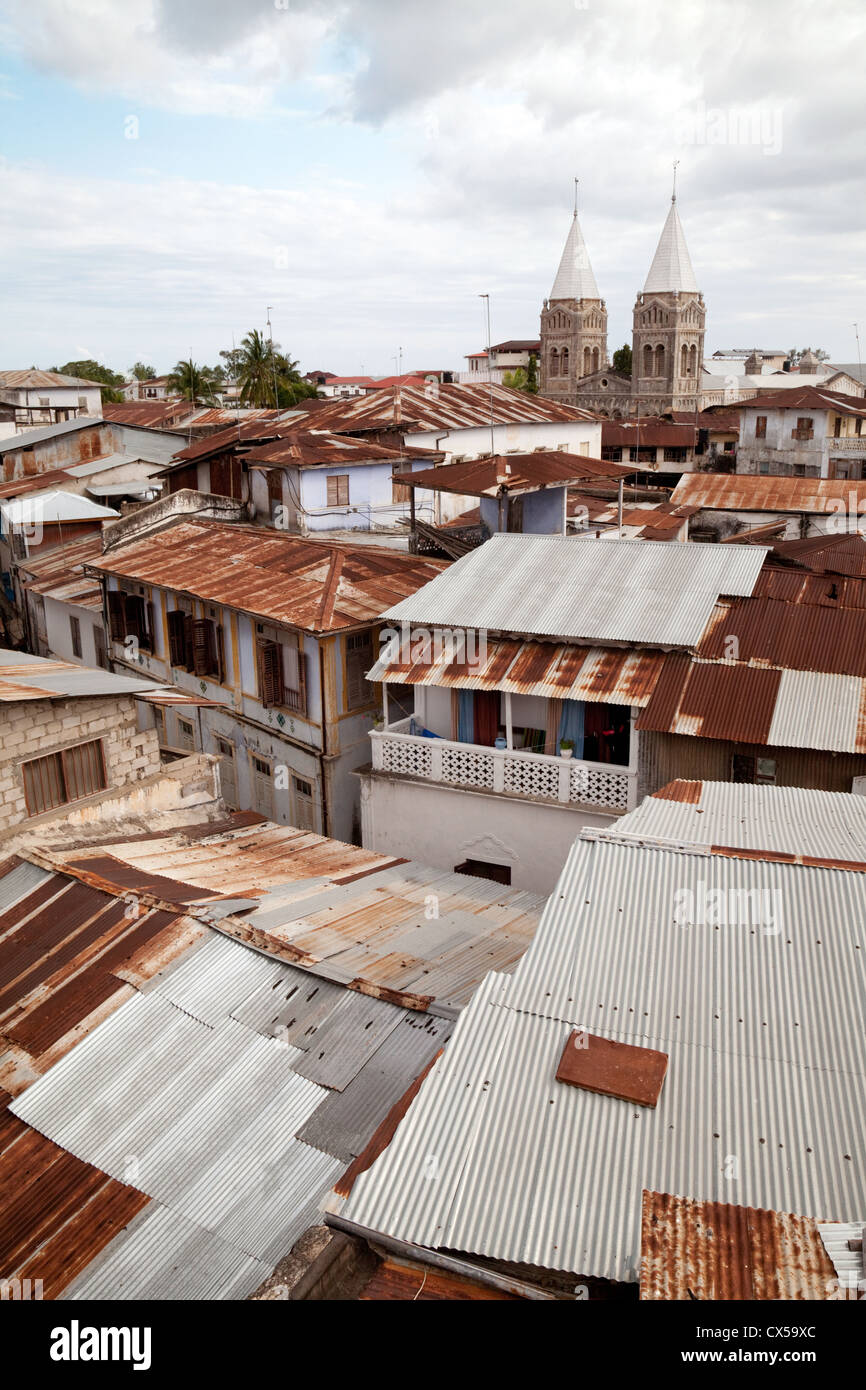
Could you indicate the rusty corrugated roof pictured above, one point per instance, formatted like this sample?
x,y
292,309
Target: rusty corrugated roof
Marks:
x,y
833,554
761,492
317,586
712,700
263,427
32,378
795,636
717,1251
514,473
445,407
554,670
147,414
59,574
799,586
315,448
647,434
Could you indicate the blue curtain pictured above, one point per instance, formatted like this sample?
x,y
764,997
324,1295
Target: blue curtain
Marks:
x,y
571,725
465,716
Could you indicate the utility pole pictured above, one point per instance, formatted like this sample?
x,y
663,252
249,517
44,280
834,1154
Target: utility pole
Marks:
x,y
486,298
273,358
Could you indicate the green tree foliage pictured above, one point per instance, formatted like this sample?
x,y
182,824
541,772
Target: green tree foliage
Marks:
x,y
264,372
622,360
795,354
193,382
89,370
142,372
532,374
517,379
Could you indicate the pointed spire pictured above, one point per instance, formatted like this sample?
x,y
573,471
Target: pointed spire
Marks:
x,y
574,279
671,268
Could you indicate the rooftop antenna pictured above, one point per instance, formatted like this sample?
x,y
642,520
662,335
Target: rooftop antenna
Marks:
x,y
273,358
486,298
234,383
674,193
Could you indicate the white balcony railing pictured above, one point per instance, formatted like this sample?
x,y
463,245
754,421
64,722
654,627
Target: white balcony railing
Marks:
x,y
570,781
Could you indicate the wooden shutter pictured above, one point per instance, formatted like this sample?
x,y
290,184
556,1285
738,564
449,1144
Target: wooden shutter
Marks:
x,y
149,626
221,654
338,490
359,657
189,645
204,647
400,492
177,638
116,615
272,673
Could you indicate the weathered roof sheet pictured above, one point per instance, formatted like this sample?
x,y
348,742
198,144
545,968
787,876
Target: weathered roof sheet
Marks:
x,y
717,1251
52,505
320,448
25,677
793,821
551,586
762,1019
758,704
560,672
443,407
265,425
148,414
32,378
318,586
757,492
59,574
795,397
833,554
514,473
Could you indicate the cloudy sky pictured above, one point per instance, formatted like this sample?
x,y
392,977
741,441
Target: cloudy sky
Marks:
x,y
369,167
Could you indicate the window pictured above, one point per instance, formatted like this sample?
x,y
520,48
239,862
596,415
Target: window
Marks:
x,y
359,659
338,490
858,425
75,633
728,447
43,400
263,788
674,454
82,402
130,616
185,734
611,453
159,723
804,428
62,777
837,427
761,427
99,646
763,465
747,768
270,674
400,492
196,644
304,814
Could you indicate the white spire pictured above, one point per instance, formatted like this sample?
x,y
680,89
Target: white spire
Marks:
x,y
671,268
574,279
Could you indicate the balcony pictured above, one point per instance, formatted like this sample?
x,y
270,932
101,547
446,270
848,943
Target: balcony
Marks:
x,y
506,771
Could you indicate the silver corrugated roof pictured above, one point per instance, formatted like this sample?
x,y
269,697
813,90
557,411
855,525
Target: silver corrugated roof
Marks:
x,y
817,710
60,679
554,586
763,1102
850,1265
784,820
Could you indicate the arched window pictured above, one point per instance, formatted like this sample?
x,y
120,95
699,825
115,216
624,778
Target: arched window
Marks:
x,y
587,361
660,360
694,359
563,362
684,360
554,362
647,360
596,359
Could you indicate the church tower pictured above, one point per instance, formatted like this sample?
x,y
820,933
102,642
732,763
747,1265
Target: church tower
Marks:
x,y
573,323
669,322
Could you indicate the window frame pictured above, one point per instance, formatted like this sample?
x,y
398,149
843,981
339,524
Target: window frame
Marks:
x,y
64,757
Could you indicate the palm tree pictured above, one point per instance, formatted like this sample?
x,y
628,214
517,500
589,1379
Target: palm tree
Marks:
x,y
256,370
192,382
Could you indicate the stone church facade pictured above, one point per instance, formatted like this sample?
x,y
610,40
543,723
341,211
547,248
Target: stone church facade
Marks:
x,y
669,323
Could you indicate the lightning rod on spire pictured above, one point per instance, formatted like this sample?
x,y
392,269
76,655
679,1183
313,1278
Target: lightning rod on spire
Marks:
x,y
674,193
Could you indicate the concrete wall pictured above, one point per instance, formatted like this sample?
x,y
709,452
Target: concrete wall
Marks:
x,y
444,825
57,632
35,728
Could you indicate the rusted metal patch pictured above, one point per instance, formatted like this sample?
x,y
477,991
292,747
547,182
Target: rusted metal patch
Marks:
x,y
609,1068
384,1134
678,790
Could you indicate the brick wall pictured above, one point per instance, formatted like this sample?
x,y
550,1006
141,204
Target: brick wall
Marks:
x,y
34,728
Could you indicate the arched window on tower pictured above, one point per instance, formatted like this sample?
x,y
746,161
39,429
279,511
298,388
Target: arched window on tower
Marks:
x,y
647,360
660,360
563,362
596,359
554,362
694,359
684,360
587,361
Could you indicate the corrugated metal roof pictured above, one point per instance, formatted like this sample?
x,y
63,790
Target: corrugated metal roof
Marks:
x,y
59,574
758,704
799,636
795,821
757,492
52,506
551,586
850,1265
717,1251
26,677
834,554
345,913
32,377
317,586
764,1034
440,408
555,671
27,438
319,448
513,474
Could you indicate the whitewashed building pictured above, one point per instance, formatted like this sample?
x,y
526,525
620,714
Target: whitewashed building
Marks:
x,y
524,668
